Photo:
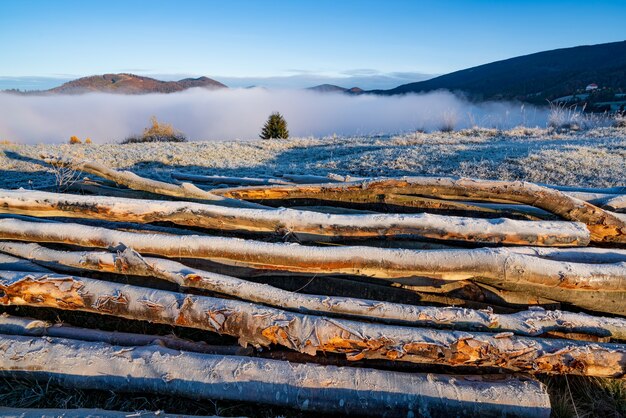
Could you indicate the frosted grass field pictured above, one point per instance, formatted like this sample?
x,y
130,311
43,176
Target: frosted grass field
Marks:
x,y
595,157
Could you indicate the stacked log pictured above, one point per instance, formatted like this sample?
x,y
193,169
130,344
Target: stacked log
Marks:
x,y
476,277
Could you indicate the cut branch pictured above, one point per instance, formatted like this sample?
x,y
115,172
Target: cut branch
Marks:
x,y
493,209
238,181
339,390
262,326
604,226
533,322
16,325
300,223
135,182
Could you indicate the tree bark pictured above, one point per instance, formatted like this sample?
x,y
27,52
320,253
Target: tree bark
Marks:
x,y
604,226
532,322
339,390
302,224
262,326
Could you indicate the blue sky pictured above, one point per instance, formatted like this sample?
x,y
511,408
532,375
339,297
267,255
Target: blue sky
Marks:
x,y
287,43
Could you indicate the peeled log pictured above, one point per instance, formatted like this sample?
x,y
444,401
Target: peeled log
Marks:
x,y
135,182
330,389
8,262
17,325
603,225
234,181
532,322
521,211
297,222
262,326
584,282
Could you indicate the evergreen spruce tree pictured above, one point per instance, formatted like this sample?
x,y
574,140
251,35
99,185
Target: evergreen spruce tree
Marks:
x,y
275,127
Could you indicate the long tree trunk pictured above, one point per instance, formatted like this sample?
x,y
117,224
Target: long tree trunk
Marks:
x,y
8,262
556,278
604,226
299,223
17,325
533,322
84,413
121,226
135,182
262,326
340,390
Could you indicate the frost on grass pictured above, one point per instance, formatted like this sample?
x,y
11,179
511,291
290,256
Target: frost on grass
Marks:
x,y
594,157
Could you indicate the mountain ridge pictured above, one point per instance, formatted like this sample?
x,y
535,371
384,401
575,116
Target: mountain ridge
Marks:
x,y
535,77
126,83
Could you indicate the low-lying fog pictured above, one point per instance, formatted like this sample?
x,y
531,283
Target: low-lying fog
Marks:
x,y
240,113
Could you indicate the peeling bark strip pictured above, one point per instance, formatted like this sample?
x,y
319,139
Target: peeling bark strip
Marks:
x,y
532,322
135,182
17,325
298,222
262,326
340,390
587,285
604,226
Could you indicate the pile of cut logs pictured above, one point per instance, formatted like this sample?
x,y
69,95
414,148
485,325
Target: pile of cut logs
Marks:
x,y
385,296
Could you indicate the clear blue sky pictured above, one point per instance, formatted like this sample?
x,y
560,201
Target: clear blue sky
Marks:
x,y
258,39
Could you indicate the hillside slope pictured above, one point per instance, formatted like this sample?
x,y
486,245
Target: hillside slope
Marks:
x,y
534,77
131,84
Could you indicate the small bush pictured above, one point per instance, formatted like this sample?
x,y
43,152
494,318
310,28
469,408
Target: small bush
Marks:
x,y
157,132
75,140
275,127
88,141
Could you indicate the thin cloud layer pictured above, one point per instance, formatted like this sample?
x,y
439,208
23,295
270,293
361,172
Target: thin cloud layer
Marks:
x,y
240,113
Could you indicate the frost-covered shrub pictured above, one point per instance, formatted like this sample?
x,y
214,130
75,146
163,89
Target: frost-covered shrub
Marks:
x,y
448,122
565,118
157,132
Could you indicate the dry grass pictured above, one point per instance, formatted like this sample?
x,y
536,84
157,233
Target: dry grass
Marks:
x,y
575,396
157,132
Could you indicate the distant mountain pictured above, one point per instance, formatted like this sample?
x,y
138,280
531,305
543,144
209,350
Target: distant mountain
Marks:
x,y
331,88
536,77
131,84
